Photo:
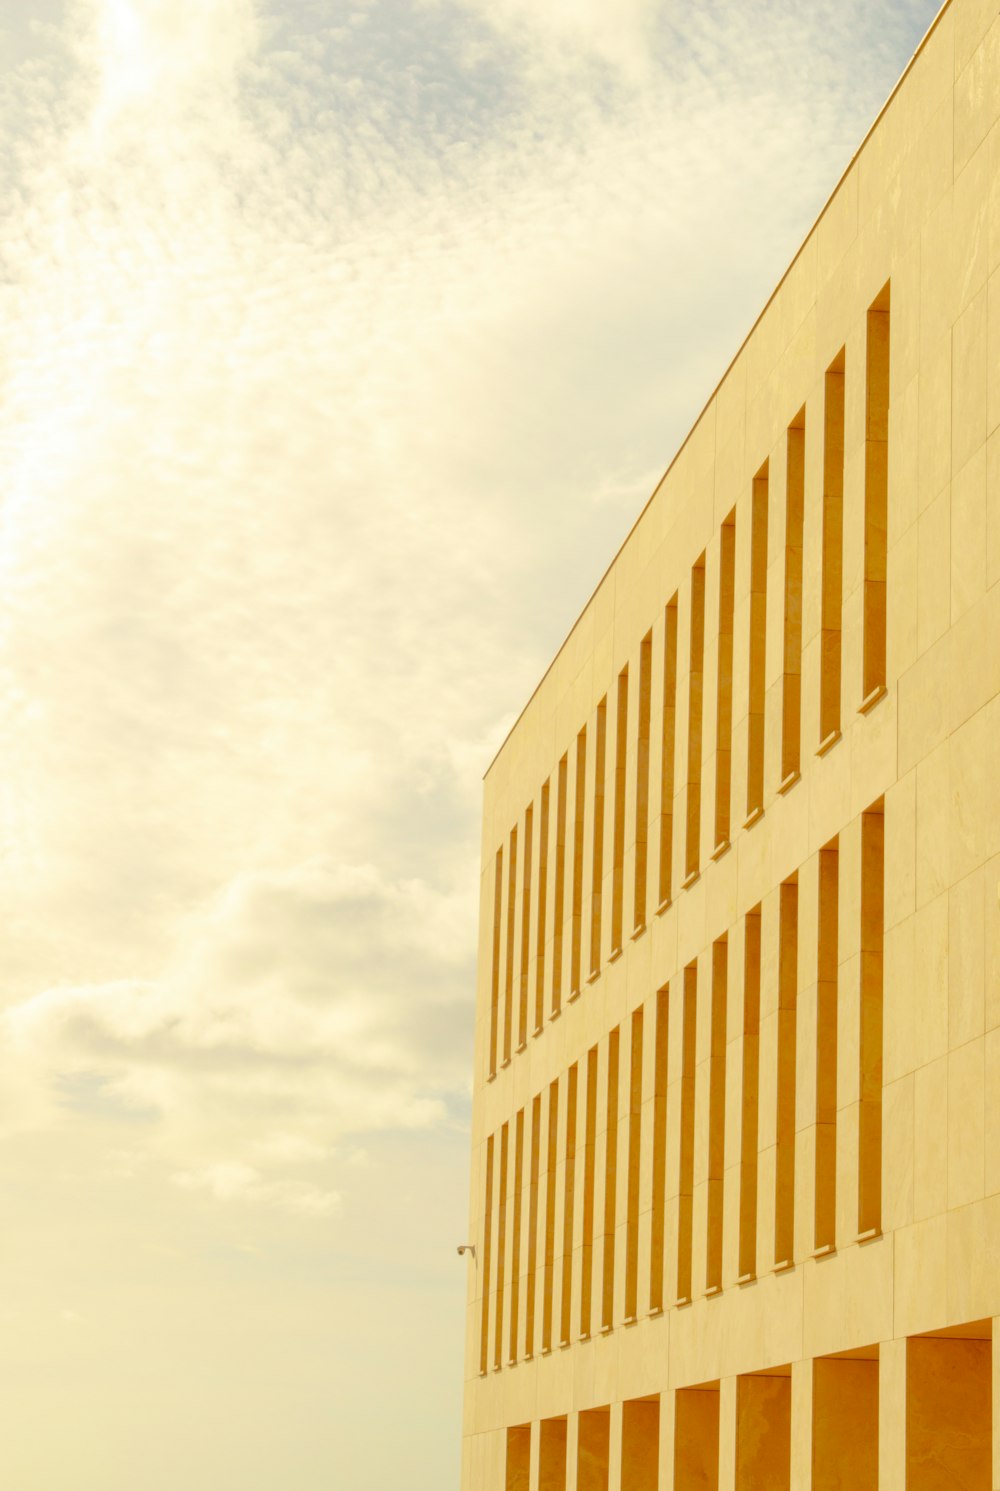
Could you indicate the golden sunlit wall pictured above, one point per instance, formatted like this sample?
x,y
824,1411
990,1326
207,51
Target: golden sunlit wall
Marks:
x,y
736,1172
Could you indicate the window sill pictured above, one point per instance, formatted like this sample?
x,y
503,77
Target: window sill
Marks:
x,y
870,700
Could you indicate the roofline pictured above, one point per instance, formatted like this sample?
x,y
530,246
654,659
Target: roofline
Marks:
x,y
731,364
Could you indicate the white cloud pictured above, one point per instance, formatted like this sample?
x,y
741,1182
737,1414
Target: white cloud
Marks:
x,y
299,1012
242,1183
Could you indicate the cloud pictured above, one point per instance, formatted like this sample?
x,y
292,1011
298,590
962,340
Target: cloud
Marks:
x,y
237,1182
299,1012
341,346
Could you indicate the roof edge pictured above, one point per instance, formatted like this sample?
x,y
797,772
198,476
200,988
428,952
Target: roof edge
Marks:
x,y
946,5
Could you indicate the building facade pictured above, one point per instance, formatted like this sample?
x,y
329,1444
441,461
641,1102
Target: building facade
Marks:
x,y
736,1124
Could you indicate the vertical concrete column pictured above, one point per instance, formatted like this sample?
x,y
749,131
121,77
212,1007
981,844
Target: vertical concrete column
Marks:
x,y
802,1426
522,1457
615,1448
572,1450
668,1419
727,1433
892,1416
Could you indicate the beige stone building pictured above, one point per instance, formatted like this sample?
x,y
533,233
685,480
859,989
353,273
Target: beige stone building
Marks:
x,y
736,1146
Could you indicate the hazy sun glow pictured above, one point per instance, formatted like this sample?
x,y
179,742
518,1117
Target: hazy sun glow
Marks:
x,y
341,343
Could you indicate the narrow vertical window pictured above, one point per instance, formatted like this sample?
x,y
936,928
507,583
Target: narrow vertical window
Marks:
x,y
543,885
717,1115
508,987
597,866
750,1099
642,784
832,592
634,1165
484,1322
692,860
689,1056
826,1048
495,976
667,753
610,1184
569,1202
659,1148
522,1004
515,1249
501,1249
724,691
791,689
872,935
580,787
531,1273
590,1145
618,847
784,1164
876,496
559,888
550,1215
758,636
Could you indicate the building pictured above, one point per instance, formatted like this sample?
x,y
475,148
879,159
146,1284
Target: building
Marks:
x,y
736,1148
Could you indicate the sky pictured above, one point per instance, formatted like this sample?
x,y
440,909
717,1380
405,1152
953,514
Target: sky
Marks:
x,y
341,342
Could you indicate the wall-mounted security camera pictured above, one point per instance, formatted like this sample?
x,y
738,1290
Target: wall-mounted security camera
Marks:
x,y
466,1248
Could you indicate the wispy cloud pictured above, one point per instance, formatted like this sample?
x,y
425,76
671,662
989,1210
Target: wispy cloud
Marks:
x,y
341,343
